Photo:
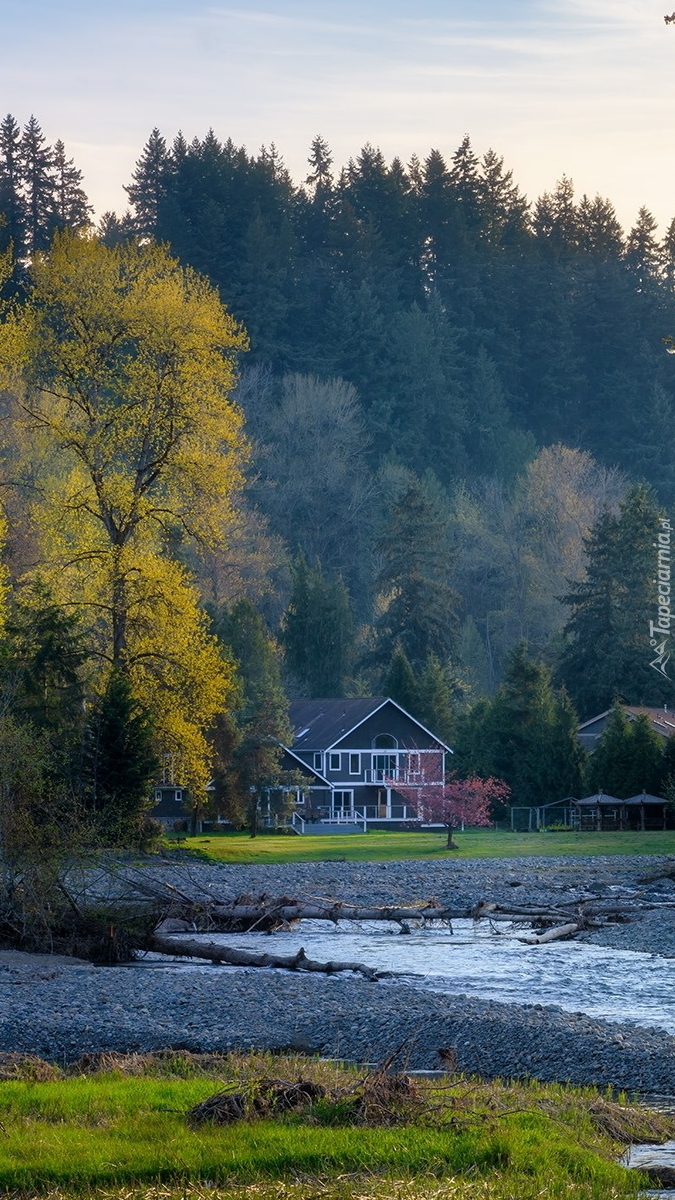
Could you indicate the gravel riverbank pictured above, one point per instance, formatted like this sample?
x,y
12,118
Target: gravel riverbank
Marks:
x,y
59,1011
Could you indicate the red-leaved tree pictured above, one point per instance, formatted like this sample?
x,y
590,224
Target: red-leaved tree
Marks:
x,y
455,803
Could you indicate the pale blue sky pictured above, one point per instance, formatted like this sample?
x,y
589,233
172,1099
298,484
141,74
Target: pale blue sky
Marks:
x,y
582,87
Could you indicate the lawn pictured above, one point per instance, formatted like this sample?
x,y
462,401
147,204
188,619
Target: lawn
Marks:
x,y
111,1130
379,846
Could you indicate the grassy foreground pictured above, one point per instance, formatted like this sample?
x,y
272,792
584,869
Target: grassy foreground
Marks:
x,y
384,846
119,1129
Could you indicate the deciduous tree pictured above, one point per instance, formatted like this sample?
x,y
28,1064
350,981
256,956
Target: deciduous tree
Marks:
x,y
129,361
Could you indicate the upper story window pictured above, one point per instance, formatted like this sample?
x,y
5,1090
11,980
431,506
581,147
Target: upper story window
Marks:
x,y
179,794
158,794
317,760
385,741
334,762
354,764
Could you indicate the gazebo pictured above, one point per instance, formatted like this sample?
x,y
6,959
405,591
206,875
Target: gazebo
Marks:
x,y
603,812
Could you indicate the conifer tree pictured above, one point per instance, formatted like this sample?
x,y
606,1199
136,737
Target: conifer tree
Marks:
x,y
37,166
12,208
436,694
317,631
611,759
71,208
121,761
249,750
531,735
46,656
150,184
399,683
608,652
419,606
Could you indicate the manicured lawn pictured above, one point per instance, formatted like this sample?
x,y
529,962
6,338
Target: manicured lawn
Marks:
x,y
380,847
467,1140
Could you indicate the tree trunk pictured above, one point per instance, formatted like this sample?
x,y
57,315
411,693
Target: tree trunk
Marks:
x,y
451,843
243,958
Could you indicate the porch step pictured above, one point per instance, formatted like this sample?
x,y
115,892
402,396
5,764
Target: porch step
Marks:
x,y
319,827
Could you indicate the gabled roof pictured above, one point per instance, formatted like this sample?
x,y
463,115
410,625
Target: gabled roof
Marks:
x,y
321,724
311,771
660,719
598,798
602,798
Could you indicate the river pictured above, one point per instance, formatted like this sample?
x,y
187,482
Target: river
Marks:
x,y
617,985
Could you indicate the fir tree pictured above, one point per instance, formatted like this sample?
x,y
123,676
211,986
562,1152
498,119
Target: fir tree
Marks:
x,y
37,165
608,652
150,184
71,208
399,683
419,607
249,747
436,693
12,208
611,759
46,656
317,631
120,762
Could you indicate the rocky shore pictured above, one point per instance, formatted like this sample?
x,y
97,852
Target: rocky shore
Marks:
x,y
58,1010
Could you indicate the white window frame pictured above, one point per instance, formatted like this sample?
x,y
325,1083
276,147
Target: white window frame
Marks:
x,y
158,795
179,795
355,757
317,760
349,792
334,754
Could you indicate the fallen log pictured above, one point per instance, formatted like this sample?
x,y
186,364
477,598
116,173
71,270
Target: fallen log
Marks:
x,y
551,935
187,948
335,912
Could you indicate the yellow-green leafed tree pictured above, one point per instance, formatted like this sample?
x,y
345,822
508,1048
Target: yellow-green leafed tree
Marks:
x,y
129,363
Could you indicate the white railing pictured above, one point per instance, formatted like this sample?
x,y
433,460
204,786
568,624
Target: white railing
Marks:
x,y
296,820
346,818
399,775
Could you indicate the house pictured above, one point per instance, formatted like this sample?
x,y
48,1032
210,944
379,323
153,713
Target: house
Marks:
x,y
604,812
171,807
661,720
354,752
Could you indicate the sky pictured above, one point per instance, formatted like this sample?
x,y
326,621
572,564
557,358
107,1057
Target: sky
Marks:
x,y
584,88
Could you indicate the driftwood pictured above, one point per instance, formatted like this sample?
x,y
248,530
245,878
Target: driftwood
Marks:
x,y
336,911
185,948
552,935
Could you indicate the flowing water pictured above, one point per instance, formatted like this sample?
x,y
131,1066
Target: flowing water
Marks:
x,y
618,985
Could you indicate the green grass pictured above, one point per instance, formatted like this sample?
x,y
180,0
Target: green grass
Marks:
x,y
113,1131
379,846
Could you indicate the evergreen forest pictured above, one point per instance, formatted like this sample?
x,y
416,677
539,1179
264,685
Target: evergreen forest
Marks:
x,y
412,435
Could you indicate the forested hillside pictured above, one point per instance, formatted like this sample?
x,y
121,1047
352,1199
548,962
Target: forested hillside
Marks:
x,y
471,330
459,413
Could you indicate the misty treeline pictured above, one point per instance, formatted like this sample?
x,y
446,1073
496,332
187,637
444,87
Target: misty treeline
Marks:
x,y
458,410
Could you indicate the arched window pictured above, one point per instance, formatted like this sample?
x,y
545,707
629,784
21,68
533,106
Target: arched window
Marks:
x,y
385,741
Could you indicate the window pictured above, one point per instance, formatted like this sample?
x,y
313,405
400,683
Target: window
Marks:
x,y
343,804
317,761
385,741
354,764
334,762
179,794
158,794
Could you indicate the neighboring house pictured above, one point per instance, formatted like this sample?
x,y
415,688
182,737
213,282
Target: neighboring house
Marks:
x,y
172,807
355,751
660,719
